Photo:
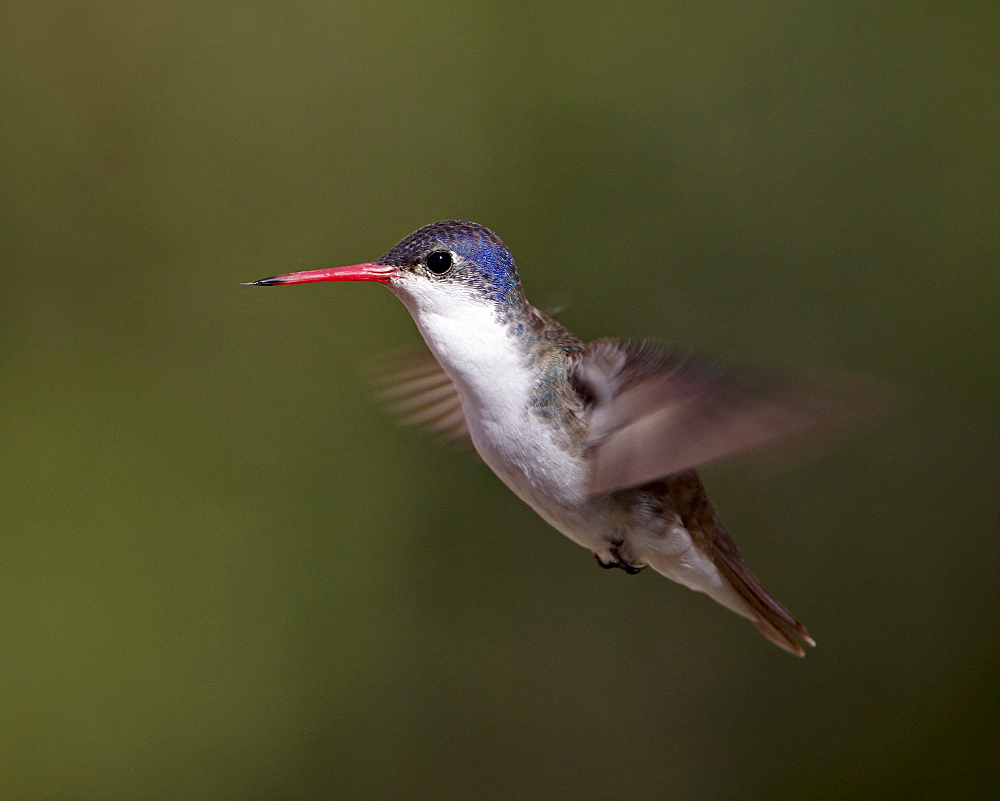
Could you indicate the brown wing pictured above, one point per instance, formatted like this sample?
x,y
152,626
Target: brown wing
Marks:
x,y
655,413
421,393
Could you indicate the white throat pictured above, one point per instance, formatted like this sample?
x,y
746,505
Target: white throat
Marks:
x,y
476,351
489,369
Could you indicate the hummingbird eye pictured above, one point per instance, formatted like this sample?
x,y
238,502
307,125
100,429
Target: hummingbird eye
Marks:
x,y
439,262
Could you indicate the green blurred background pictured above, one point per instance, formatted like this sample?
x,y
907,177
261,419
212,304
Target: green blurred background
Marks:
x,y
227,574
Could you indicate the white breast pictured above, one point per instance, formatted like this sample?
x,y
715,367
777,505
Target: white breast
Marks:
x,y
488,368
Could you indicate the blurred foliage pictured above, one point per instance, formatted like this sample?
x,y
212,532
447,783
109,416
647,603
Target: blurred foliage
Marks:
x,y
226,574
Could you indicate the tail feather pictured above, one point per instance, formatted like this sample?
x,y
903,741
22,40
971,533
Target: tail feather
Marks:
x,y
771,618
709,535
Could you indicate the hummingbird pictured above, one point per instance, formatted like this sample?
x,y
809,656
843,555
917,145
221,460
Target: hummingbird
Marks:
x,y
601,439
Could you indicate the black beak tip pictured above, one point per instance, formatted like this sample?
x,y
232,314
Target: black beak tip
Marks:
x,y
272,281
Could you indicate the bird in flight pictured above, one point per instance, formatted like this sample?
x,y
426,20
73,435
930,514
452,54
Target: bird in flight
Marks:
x,y
601,439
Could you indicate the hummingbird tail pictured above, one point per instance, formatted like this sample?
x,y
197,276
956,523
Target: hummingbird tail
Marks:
x,y
771,618
786,638
743,593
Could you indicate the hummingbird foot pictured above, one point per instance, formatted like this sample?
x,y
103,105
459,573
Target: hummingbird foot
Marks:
x,y
618,560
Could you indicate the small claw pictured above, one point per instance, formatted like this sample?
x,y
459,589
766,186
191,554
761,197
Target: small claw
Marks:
x,y
619,560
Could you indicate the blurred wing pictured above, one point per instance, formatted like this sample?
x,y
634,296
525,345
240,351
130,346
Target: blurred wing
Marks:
x,y
421,393
654,413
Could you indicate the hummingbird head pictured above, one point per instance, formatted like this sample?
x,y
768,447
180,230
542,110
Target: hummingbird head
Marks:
x,y
442,263
461,254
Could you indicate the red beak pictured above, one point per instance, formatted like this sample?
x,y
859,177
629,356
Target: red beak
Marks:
x,y
382,273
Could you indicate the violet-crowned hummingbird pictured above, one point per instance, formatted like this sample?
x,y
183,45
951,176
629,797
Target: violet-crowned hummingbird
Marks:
x,y
600,438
